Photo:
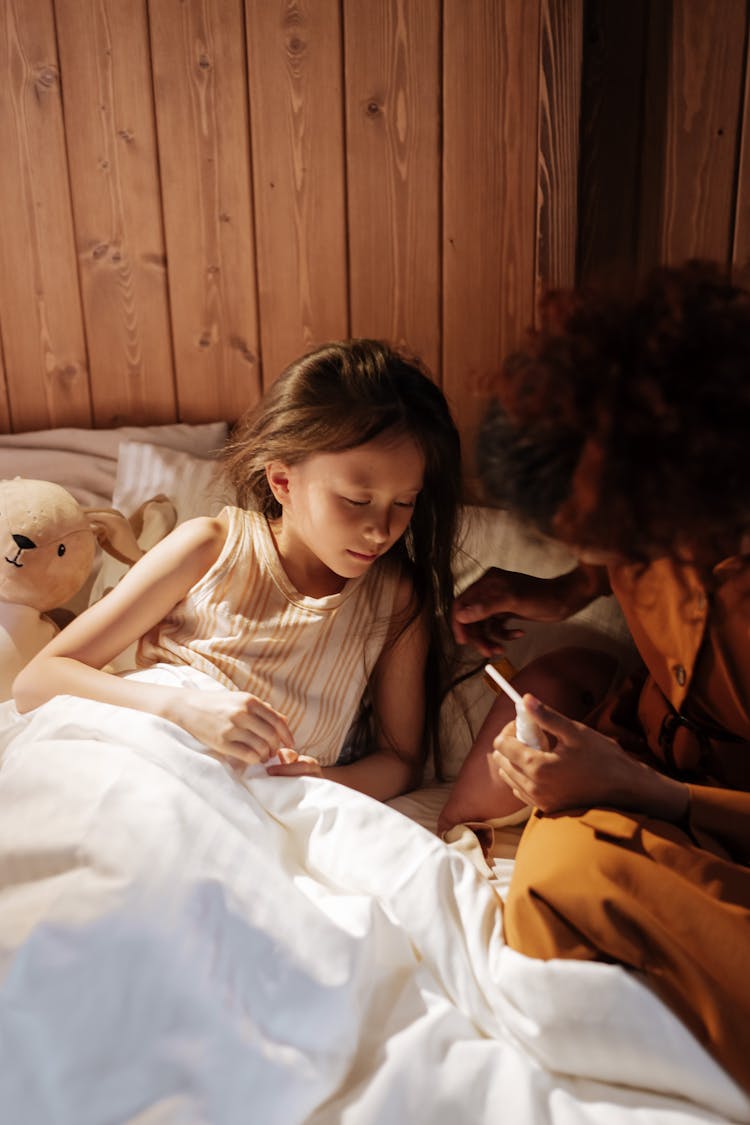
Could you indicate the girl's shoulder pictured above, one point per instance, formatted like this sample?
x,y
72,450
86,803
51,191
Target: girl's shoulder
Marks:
x,y
201,537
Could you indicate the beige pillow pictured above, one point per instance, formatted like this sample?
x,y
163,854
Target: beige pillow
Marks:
x,y
191,483
86,461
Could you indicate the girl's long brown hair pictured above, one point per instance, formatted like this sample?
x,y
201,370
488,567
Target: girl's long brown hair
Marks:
x,y
338,397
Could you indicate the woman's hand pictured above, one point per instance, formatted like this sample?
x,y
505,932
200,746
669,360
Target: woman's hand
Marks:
x,y
481,614
235,724
582,769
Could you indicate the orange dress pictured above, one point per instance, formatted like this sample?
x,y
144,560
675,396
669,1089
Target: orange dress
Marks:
x,y
670,900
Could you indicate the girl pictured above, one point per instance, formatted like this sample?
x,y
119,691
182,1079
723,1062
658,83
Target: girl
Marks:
x,y
313,604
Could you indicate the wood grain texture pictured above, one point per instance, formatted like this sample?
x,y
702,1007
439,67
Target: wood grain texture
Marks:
x,y
654,125
104,55
392,52
614,72
4,407
295,90
200,83
705,96
40,313
741,236
561,57
490,164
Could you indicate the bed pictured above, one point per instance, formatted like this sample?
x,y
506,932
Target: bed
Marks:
x,y
182,945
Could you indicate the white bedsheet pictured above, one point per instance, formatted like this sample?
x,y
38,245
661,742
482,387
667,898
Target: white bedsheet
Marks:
x,y
179,946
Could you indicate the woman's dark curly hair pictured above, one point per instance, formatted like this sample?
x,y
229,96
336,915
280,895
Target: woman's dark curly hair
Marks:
x,y
623,425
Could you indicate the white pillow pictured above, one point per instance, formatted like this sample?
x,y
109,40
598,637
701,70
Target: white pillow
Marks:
x,y
144,471
191,483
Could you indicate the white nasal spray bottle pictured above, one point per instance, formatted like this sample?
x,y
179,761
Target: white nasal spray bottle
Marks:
x,y
527,731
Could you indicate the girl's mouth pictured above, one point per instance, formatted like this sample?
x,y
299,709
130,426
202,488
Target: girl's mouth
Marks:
x,y
362,558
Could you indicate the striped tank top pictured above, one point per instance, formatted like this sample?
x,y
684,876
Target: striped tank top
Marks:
x,y
246,625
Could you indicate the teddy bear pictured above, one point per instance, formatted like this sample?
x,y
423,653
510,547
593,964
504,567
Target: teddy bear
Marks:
x,y
48,544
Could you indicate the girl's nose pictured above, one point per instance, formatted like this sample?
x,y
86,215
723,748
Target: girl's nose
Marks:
x,y
378,526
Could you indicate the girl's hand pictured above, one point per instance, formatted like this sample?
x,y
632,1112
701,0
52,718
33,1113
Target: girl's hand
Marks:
x,y
582,769
235,724
300,765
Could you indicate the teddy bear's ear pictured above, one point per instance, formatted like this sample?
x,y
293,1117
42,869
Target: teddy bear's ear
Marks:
x,y
114,533
154,519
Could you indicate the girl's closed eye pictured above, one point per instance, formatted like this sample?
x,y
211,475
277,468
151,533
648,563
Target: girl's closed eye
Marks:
x,y
364,503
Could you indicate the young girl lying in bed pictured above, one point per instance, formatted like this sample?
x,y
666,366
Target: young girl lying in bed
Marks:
x,y
313,604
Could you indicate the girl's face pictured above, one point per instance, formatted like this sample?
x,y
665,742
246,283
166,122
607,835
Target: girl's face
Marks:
x,y
342,511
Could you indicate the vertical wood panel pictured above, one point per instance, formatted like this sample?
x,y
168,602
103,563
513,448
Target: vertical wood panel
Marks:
x,y
652,155
4,409
561,53
105,64
43,341
393,161
707,51
741,242
491,86
611,136
295,85
200,82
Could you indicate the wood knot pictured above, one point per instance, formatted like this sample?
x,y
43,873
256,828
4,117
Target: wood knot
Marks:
x,y
47,77
372,109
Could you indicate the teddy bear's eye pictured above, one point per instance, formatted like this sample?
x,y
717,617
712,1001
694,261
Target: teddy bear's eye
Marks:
x,y
61,549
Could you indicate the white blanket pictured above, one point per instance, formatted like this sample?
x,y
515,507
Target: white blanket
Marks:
x,y
178,946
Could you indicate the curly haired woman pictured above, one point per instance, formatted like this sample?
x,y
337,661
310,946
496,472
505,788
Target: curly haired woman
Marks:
x,y
622,429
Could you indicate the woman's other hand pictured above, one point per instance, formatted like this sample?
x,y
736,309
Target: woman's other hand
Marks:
x,y
482,614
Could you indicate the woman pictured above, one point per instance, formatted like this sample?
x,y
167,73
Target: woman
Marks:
x,y
621,429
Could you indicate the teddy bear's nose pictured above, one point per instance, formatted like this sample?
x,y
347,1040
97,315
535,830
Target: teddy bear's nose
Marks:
x,y
23,542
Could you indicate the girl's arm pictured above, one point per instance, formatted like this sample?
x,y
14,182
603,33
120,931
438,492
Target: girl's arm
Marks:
x,y
398,697
234,723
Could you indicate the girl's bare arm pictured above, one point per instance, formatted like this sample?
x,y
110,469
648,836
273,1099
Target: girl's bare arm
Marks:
x,y
71,664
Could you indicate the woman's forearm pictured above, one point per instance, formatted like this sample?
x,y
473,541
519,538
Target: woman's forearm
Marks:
x,y
648,791
579,587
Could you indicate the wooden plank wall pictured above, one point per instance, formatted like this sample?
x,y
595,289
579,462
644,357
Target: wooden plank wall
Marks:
x,y
197,191
194,192
664,134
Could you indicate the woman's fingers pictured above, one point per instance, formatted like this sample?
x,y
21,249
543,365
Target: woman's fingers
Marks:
x,y
552,721
513,778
